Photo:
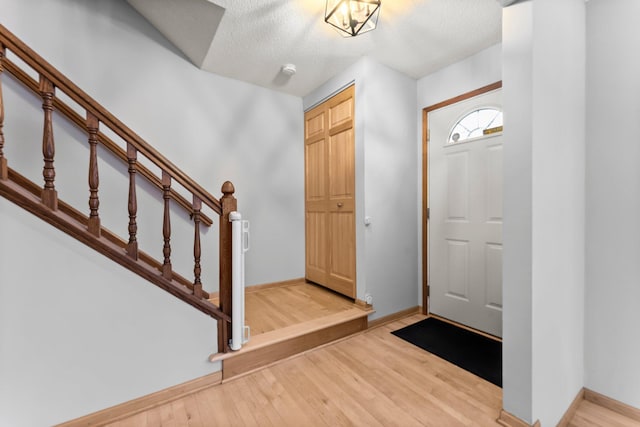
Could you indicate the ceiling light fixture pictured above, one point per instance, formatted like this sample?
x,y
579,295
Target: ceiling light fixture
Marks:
x,y
352,17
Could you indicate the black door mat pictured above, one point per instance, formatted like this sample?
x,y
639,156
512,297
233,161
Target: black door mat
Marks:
x,y
472,352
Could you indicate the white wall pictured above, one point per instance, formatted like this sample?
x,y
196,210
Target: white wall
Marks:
x,y
517,31
78,333
543,276
558,217
481,69
390,190
612,347
386,260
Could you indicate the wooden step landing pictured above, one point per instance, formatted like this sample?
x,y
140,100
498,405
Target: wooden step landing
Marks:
x,y
279,344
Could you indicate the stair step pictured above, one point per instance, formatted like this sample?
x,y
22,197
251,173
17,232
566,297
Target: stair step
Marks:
x,y
272,346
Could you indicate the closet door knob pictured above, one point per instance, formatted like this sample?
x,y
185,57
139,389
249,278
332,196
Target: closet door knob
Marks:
x,y
339,204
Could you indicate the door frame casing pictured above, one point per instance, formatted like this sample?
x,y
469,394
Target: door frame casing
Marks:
x,y
425,179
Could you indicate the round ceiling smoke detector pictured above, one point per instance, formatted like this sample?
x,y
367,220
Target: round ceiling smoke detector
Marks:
x,y
288,69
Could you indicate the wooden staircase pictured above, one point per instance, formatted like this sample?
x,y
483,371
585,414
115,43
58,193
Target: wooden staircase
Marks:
x,y
43,201
334,318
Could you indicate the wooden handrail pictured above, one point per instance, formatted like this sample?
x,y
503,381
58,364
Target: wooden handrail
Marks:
x,y
37,63
104,140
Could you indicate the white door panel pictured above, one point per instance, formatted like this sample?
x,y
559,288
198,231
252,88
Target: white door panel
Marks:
x,y
465,224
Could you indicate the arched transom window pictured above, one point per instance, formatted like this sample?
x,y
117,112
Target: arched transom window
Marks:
x,y
480,122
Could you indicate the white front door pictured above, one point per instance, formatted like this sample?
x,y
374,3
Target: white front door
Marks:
x,y
465,224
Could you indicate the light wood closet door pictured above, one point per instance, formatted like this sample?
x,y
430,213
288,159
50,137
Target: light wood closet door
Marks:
x,y
330,194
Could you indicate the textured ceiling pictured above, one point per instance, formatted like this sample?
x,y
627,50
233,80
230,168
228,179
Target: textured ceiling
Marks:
x,y
189,24
255,38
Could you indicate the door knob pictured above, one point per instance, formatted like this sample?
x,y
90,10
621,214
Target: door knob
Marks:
x,y
339,204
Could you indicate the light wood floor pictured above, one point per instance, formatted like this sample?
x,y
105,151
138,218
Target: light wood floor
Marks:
x,y
369,379
589,414
276,308
269,309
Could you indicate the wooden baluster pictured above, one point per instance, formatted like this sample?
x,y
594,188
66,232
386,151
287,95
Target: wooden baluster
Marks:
x,y
94,179
229,204
197,284
166,226
4,170
132,246
49,193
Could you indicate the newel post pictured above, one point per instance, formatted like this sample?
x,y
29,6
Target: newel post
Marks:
x,y
229,204
4,171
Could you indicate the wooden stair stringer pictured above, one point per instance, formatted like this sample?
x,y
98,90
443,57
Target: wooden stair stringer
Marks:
x,y
269,347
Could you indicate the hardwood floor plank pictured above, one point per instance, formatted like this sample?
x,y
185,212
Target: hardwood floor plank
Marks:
x,y
167,418
590,414
220,414
153,417
205,409
244,407
356,394
400,391
193,413
325,410
275,308
138,420
181,417
289,376
267,413
288,408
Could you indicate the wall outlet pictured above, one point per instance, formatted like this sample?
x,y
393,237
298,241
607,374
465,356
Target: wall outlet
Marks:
x,y
368,298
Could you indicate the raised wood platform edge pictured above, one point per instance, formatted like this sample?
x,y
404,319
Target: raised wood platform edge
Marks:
x,y
571,411
265,355
363,305
394,316
612,404
144,403
281,335
509,420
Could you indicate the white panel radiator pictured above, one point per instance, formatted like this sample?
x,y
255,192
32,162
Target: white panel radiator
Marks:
x,y
239,246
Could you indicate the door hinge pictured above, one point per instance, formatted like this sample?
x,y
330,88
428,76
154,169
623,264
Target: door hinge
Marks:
x,y
428,214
